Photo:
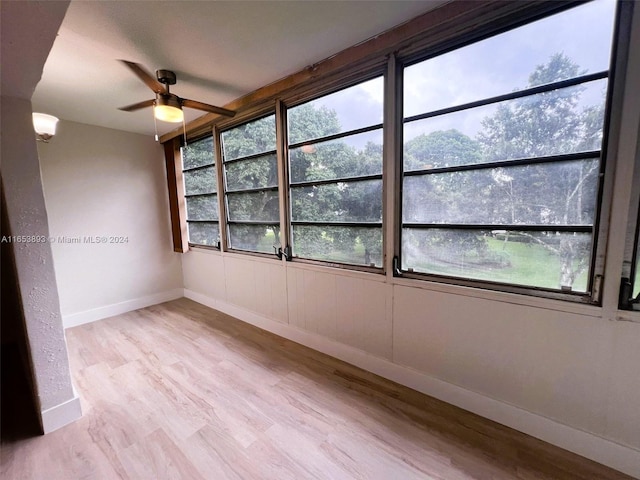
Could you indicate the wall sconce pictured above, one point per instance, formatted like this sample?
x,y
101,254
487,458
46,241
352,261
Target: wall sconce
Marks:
x,y
45,126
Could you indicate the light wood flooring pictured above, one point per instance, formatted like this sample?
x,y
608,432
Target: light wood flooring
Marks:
x,y
180,391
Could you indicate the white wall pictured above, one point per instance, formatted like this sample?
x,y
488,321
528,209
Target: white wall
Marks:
x,y
100,182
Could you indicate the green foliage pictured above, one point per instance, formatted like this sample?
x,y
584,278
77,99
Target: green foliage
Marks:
x,y
554,122
201,181
440,149
198,153
546,124
333,202
245,140
549,123
249,139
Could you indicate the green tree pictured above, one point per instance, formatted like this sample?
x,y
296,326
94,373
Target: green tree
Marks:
x,y
556,194
359,201
199,154
261,172
561,193
443,198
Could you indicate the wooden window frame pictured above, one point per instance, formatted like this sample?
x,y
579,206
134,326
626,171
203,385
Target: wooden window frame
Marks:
x,y
177,204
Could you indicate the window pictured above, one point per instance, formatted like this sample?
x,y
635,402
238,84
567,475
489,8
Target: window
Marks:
x,y
200,192
335,176
251,185
502,154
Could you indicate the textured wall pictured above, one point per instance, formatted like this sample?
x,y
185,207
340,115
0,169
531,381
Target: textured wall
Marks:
x,y
34,264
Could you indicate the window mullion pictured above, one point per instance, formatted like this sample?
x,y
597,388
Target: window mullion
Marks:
x,y
282,155
222,210
392,165
621,140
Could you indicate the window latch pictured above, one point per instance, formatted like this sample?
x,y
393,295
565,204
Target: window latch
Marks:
x,y
280,252
396,267
626,299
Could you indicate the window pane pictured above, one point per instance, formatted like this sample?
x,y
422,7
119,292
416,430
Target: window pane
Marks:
x,y
256,173
250,138
202,207
254,238
563,121
198,153
498,64
540,259
354,245
200,181
345,157
562,193
351,156
255,206
335,113
203,233
339,202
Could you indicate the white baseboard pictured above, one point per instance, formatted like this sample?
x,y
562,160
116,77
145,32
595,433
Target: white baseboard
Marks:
x,y
61,415
598,449
106,311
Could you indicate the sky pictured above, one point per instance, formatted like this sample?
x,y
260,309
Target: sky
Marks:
x,y
494,66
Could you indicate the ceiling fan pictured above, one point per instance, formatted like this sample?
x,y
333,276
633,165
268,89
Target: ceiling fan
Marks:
x,y
167,106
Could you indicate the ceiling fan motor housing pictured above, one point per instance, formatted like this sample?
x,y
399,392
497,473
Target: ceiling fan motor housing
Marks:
x,y
167,77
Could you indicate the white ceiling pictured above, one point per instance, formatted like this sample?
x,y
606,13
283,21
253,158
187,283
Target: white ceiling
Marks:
x,y
220,50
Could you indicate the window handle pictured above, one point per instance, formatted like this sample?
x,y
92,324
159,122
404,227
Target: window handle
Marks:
x,y
397,272
626,292
286,253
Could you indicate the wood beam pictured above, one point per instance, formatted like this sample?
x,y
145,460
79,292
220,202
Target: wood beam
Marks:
x,y
177,205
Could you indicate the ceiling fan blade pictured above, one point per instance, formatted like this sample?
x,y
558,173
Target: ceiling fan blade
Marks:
x,y
206,107
137,106
148,79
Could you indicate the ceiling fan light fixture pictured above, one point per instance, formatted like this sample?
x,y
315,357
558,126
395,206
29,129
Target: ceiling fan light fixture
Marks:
x,y
168,109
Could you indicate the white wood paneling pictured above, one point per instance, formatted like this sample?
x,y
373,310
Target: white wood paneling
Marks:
x,y
346,308
545,362
240,282
312,301
623,388
203,272
271,290
257,285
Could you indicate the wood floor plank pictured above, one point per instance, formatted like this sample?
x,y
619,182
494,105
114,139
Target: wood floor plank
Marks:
x,y
180,391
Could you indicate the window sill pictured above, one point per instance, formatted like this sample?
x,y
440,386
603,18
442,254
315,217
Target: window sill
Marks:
x,y
503,297
338,270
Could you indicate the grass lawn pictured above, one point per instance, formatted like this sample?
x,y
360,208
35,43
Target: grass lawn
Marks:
x,y
530,264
